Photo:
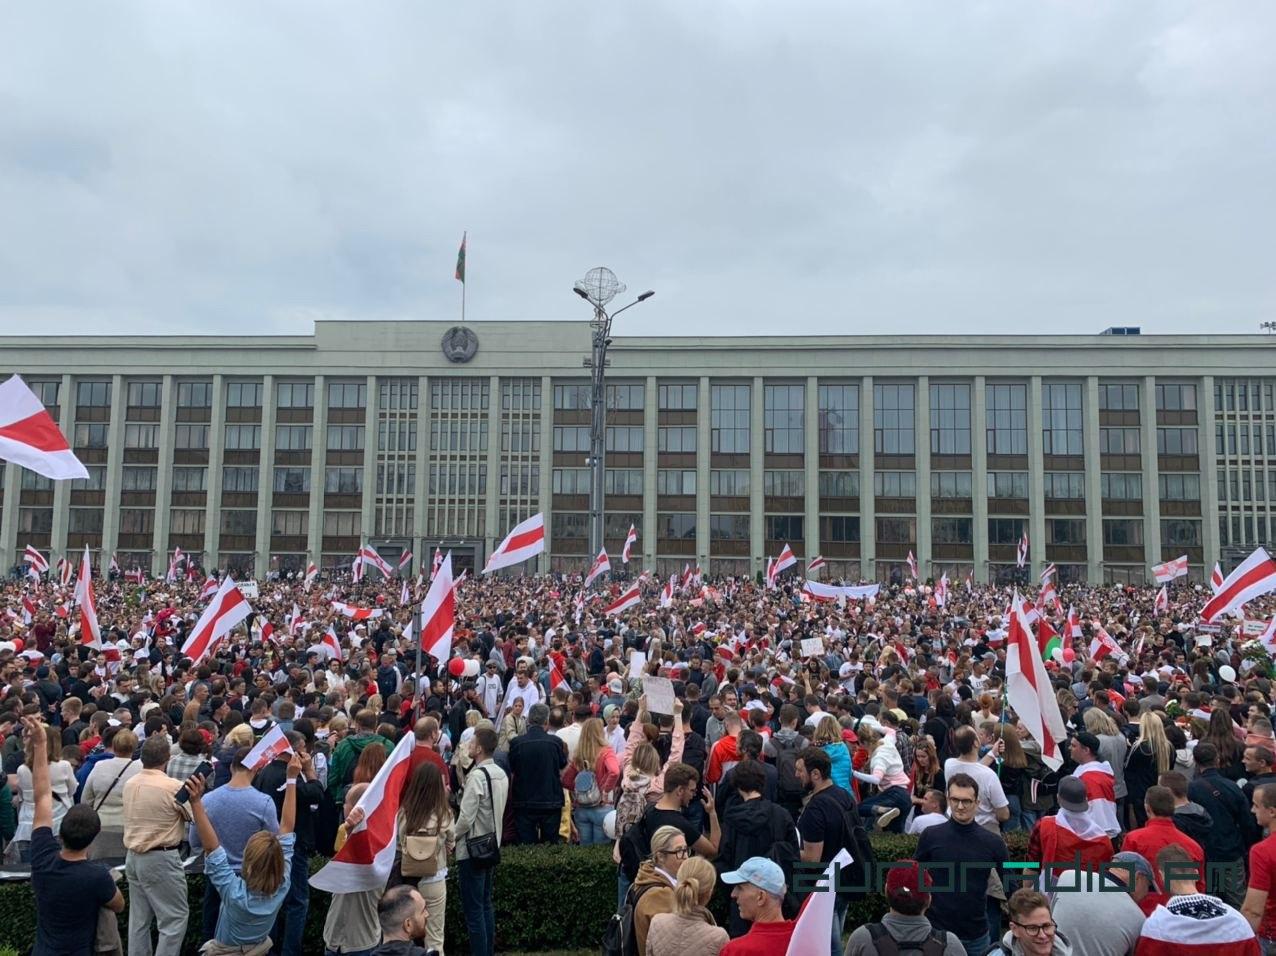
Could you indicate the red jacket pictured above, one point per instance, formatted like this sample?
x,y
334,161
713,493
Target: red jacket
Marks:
x,y
1150,840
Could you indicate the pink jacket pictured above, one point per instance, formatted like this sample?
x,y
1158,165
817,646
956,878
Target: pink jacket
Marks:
x,y
636,736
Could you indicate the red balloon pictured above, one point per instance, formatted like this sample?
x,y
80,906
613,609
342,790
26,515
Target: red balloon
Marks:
x,y
18,645
1069,655
456,667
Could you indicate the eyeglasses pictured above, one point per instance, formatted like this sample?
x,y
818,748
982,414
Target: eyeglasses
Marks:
x,y
1036,929
961,802
679,852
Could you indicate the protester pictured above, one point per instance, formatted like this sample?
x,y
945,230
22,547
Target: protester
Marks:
x,y
905,926
482,808
823,824
1100,912
1259,906
886,808
402,914
653,887
104,792
1192,923
1160,832
690,929
62,785
1033,931
1233,825
424,843
754,826
591,778
351,927
1070,835
537,760
758,891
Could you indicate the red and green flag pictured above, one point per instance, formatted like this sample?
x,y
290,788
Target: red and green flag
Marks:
x,y
460,260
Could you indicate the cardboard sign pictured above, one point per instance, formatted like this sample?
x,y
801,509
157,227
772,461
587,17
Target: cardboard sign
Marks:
x,y
659,691
1253,628
812,646
249,590
637,661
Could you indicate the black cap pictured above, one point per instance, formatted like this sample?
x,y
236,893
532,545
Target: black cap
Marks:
x,y
1089,741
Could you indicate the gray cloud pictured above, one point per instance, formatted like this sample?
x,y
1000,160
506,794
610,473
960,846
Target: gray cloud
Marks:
x,y
824,167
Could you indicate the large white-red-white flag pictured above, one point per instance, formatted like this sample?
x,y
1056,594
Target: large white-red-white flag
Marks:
x,y
365,861
90,633
785,561
31,438
630,597
1021,556
37,561
814,922
273,743
1167,572
227,608
356,613
1253,577
630,540
438,613
600,567
1029,690
525,540
331,644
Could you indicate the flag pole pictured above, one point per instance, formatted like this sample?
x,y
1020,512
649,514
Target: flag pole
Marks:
x,y
416,707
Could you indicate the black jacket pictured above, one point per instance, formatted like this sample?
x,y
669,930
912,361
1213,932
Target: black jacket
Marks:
x,y
270,779
537,759
1225,804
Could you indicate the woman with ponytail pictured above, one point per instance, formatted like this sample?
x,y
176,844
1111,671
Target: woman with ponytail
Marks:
x,y
689,930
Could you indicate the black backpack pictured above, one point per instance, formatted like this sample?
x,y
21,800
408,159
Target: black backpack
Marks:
x,y
863,866
788,786
620,938
635,845
888,945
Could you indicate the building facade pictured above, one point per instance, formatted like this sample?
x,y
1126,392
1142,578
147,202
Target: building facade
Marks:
x,y
261,453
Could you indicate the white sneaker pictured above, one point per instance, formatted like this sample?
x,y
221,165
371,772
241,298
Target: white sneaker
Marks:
x,y
886,818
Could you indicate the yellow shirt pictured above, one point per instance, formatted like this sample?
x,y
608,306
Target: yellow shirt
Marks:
x,y
153,819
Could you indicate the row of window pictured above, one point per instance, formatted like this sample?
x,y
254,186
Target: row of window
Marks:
x,y
1245,439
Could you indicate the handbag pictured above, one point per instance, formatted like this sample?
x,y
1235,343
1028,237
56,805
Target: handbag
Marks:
x,y
98,805
484,851
420,853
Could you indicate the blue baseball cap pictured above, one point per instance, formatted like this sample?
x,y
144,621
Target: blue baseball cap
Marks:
x,y
763,873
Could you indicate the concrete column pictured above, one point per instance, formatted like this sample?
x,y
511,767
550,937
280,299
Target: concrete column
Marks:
x,y
492,503
370,459
921,459
213,485
1205,412
704,439
868,517
114,471
650,451
547,465
811,464
420,491
757,445
318,471
979,475
62,489
265,477
9,517
1036,483
1093,484
164,477
1151,471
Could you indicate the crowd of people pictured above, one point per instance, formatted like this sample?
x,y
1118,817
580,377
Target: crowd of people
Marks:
x,y
704,737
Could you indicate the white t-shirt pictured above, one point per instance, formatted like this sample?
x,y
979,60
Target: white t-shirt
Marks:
x,y
920,823
816,717
992,796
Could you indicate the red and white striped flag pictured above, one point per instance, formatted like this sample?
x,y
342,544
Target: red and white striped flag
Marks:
x,y
1100,790
356,567
1029,691
600,566
365,861
912,567
1021,557
209,588
331,644
38,562
90,633
815,919
630,540
1048,573
28,610
1103,644
970,582
1167,572
1197,925
405,560
65,570
525,540
265,630
579,605
666,594
438,560
273,743
31,438
438,613
1267,638
1162,603
355,612
404,597
312,572
371,556
556,678
785,561
631,597
1073,628
1253,577
687,575
1216,578
815,564
941,590
228,608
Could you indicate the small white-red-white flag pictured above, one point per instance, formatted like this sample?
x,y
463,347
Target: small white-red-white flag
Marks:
x,y
815,564
90,633
356,613
941,590
273,743
404,597
1103,644
365,860
227,608
600,567
1162,600
1167,572
1021,557
28,610
114,566
209,588
65,570
1047,573
405,560
1268,639
525,540
556,678
1216,578
630,597
356,568
438,560
815,919
370,556
312,572
1253,577
1029,691
785,561
331,644
666,594
31,438
37,561
912,567
438,613
630,540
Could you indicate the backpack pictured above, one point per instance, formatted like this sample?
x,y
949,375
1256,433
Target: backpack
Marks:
x,y
859,875
620,938
887,945
632,804
786,751
634,847
693,751
585,793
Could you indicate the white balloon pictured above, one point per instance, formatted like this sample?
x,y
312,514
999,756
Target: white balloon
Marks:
x,y
471,667
1227,673
609,824
1057,654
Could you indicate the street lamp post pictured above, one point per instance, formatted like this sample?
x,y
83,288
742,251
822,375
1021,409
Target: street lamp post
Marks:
x,y
598,288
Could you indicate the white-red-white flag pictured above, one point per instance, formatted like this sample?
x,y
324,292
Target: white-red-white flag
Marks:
x,y
1021,557
370,556
630,540
227,608
438,560
405,560
90,633
815,564
630,597
770,573
331,644
356,567
114,566
687,575
814,922
912,567
31,438
209,588
1029,690
556,678
37,561
525,540
1253,577
1162,600
365,860
65,570
28,610
356,613
438,613
312,573
785,561
1047,573
1167,572
1268,639
1216,578
273,743
404,597
1103,644
941,590
666,594
600,567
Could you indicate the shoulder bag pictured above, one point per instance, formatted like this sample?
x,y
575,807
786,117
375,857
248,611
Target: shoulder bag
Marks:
x,y
484,851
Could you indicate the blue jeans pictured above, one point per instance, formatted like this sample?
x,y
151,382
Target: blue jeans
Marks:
x,y
290,924
839,921
476,902
978,946
890,797
622,889
1019,819
589,824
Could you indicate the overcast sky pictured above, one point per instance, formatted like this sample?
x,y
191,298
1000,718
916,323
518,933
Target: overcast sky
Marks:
x,y
823,167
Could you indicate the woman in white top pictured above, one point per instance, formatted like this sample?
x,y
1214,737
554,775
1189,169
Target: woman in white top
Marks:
x,y
888,807
61,782
104,792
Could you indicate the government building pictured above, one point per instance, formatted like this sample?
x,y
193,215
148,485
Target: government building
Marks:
x,y
261,453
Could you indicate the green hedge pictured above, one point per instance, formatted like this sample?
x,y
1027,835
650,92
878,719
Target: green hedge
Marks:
x,y
546,897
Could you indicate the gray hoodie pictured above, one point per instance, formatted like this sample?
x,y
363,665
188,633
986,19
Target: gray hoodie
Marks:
x,y
1011,945
905,929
